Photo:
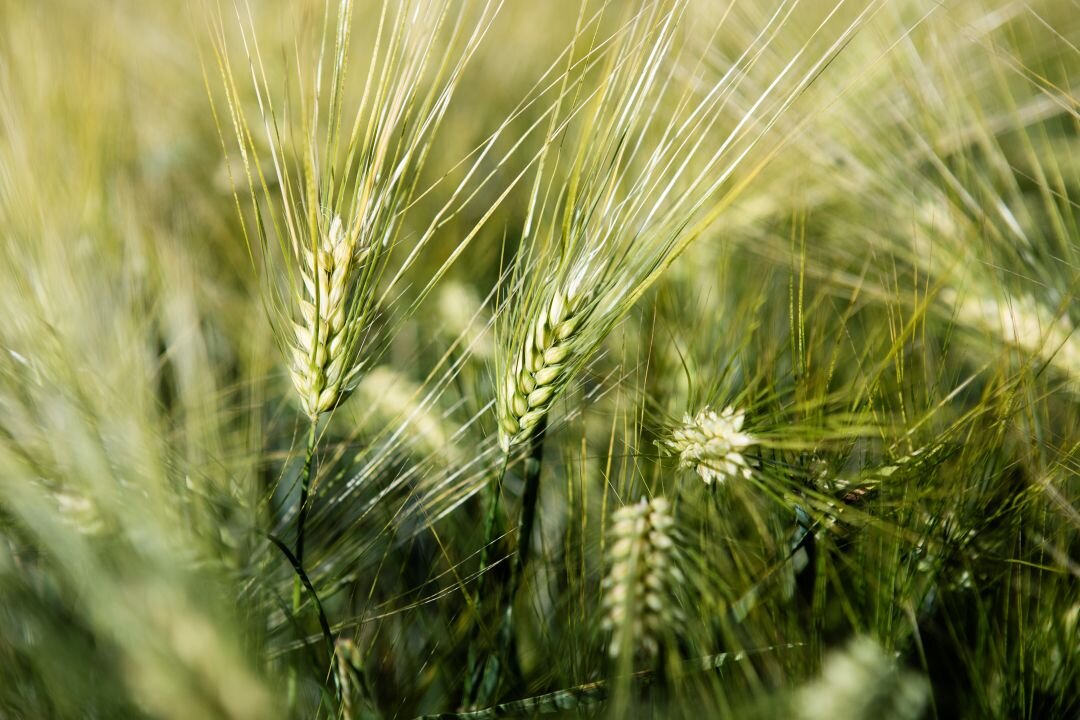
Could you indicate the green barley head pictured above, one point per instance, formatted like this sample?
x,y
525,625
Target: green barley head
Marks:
x,y
639,604
324,349
543,362
646,166
332,173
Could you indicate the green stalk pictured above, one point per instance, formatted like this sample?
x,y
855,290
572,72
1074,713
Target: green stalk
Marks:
x,y
305,488
506,655
476,668
483,677
301,517
494,495
528,505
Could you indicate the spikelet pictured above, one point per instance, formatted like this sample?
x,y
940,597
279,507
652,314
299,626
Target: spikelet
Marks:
x,y
639,605
711,443
324,362
542,363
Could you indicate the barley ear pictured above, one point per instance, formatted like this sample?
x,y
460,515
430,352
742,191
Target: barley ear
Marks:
x,y
862,682
323,354
541,367
638,603
351,681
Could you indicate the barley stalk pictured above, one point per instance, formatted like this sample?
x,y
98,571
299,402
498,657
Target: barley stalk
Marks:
x,y
484,677
541,366
324,352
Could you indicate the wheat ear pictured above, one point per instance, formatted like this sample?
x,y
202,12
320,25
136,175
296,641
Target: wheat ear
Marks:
x,y
639,588
862,681
541,366
324,362
351,680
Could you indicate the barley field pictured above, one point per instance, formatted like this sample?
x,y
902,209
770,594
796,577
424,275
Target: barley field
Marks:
x,y
463,359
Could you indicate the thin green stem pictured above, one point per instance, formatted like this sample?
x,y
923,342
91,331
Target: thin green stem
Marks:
x,y
528,506
301,517
494,495
305,488
475,669
504,660
483,678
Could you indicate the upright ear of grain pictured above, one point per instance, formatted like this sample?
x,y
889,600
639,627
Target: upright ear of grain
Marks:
x,y
639,604
324,357
540,366
335,170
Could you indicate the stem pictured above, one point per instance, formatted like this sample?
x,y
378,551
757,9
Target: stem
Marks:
x,y
506,652
301,516
484,676
305,487
494,494
475,665
528,505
